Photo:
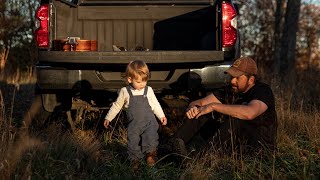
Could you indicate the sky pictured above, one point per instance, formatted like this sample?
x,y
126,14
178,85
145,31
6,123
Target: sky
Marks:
x,y
312,1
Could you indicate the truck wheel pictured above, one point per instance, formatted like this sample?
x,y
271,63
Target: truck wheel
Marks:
x,y
188,84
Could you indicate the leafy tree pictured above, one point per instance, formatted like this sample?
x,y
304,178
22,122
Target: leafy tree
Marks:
x,y
256,25
16,31
308,42
280,34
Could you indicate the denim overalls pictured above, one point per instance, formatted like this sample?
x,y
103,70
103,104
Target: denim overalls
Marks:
x,y
143,126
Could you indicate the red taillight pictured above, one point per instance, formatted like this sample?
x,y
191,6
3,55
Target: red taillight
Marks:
x,y
42,32
229,25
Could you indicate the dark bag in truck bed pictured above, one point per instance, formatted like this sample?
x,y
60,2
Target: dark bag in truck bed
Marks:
x,y
191,31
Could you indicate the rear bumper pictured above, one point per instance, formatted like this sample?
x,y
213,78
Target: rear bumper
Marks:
x,y
58,70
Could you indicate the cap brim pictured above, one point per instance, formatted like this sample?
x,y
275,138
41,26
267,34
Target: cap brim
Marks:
x,y
234,72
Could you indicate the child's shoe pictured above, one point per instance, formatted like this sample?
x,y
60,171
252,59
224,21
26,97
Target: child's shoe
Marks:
x,y
135,164
151,158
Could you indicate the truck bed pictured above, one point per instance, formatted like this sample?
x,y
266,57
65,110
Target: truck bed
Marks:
x,y
130,26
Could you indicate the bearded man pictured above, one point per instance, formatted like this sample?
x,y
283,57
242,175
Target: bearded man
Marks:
x,y
249,106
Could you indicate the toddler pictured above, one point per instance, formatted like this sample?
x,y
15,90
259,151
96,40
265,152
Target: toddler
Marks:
x,y
141,107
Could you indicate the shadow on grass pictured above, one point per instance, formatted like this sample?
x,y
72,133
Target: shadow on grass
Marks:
x,y
17,100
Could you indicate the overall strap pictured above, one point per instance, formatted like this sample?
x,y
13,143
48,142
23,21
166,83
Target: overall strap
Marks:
x,y
145,90
129,91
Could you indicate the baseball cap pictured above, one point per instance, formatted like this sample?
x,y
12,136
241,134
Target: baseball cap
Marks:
x,y
241,66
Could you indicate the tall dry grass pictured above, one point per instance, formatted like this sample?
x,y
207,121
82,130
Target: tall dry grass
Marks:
x,y
298,152
13,143
59,153
3,58
13,74
297,156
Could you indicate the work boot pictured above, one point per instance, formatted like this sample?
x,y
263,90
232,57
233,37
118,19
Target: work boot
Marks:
x,y
178,146
151,158
135,164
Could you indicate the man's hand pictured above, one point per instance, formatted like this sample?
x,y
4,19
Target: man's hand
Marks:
x,y
204,110
106,123
192,112
163,121
196,112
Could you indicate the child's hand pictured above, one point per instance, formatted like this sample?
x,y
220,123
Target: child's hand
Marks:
x,y
106,123
163,120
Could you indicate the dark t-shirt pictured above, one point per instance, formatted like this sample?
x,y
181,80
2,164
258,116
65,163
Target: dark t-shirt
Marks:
x,y
262,130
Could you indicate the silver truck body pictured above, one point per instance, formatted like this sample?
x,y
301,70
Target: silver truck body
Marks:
x,y
130,24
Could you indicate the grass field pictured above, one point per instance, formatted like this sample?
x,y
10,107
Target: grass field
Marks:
x,y
36,150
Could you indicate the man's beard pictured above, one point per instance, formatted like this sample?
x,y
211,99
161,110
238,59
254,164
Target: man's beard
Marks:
x,y
236,89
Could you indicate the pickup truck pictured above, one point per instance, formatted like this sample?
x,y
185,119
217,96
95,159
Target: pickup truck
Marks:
x,y
187,45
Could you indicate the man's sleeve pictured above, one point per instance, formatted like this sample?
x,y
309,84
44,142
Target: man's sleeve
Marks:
x,y
265,95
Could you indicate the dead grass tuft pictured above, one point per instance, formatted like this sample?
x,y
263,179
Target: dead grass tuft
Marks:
x,y
12,74
88,141
3,58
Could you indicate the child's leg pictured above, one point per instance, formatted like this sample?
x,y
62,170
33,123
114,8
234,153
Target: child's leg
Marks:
x,y
134,149
150,138
150,142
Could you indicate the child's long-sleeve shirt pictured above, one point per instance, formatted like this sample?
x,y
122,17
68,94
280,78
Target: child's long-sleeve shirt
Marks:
x,y
123,101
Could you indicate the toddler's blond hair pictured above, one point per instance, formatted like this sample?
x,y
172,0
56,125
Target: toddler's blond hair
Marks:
x,y
137,68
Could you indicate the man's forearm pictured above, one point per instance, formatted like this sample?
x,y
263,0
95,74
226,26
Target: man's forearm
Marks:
x,y
238,111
